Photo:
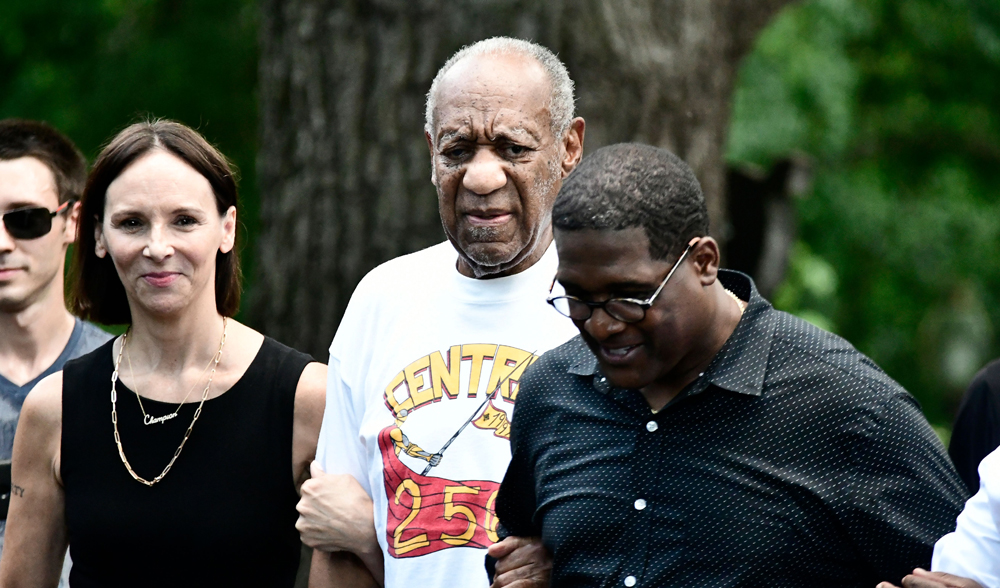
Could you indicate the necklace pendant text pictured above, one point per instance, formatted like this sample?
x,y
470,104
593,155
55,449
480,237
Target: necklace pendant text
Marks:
x,y
151,420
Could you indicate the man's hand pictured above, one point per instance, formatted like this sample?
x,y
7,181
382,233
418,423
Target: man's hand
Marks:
x,y
924,579
522,562
336,514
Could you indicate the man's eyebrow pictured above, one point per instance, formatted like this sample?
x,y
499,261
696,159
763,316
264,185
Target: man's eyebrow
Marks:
x,y
626,285
514,133
452,135
21,204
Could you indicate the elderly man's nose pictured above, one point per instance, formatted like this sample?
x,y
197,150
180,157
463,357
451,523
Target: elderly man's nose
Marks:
x,y
485,173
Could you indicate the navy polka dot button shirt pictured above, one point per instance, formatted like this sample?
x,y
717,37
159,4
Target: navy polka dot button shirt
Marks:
x,y
791,461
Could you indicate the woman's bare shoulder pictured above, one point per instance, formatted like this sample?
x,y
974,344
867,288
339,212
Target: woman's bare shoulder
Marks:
x,y
42,409
313,380
310,397
240,335
39,428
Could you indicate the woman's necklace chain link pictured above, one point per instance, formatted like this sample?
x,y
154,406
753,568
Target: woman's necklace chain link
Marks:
x,y
149,419
197,412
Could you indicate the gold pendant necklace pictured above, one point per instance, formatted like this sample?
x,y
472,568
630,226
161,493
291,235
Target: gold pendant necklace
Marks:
x,y
149,419
197,412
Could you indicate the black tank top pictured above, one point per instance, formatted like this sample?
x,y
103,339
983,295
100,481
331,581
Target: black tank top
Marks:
x,y
225,513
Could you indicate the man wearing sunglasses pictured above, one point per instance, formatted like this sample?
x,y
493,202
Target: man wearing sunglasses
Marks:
x,y
42,175
692,435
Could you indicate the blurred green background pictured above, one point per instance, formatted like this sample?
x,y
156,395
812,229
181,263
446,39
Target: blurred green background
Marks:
x,y
895,102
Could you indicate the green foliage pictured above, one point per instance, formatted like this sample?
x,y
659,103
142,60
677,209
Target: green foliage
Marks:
x,y
896,102
91,67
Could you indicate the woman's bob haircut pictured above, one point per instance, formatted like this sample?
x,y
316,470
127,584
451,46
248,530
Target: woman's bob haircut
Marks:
x,y
98,294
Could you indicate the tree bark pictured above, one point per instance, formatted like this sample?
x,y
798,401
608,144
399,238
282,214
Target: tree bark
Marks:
x,y
344,173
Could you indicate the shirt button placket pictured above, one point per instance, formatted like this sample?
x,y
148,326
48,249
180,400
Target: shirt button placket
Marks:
x,y
638,557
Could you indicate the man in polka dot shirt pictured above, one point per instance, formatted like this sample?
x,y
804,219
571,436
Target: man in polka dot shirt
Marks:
x,y
694,436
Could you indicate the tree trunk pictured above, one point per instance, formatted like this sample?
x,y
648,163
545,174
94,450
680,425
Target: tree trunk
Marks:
x,y
344,173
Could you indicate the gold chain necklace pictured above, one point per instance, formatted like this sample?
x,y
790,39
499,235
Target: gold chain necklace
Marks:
x,y
197,412
739,302
149,419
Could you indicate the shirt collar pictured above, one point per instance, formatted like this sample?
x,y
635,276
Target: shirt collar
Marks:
x,y
741,363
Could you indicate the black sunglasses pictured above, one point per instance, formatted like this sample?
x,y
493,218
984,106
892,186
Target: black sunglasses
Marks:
x,y
32,223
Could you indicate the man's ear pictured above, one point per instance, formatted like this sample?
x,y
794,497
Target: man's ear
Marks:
x,y
100,247
228,231
573,145
430,148
72,223
706,258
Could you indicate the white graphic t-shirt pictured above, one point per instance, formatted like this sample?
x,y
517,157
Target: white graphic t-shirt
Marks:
x,y
423,377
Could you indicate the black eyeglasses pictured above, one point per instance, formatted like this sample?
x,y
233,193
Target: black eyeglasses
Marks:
x,y
32,223
626,310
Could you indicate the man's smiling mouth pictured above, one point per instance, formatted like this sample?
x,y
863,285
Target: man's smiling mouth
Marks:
x,y
618,355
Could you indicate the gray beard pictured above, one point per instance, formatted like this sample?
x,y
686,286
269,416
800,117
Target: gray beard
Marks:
x,y
486,258
483,234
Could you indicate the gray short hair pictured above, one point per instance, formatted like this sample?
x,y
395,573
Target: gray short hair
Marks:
x,y
562,103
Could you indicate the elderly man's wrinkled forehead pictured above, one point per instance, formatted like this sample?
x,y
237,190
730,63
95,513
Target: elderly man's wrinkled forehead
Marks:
x,y
486,96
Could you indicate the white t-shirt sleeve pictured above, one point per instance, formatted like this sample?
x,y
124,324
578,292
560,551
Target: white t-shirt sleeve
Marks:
x,y
973,550
339,449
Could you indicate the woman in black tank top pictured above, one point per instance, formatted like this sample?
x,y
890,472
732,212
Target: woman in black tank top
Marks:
x,y
172,455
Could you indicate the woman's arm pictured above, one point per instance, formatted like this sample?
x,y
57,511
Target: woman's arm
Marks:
x,y
336,569
35,539
310,400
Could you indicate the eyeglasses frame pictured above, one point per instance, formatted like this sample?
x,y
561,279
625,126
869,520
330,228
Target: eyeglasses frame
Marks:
x,y
52,214
643,304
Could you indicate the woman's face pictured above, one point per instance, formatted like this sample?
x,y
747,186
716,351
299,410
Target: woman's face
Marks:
x,y
162,229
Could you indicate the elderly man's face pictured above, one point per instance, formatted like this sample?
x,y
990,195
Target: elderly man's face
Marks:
x,y
496,164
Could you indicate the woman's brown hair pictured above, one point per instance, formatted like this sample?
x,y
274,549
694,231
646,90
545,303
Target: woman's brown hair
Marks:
x,y
98,294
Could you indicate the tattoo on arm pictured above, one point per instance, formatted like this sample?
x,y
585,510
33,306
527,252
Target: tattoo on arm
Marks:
x,y
16,490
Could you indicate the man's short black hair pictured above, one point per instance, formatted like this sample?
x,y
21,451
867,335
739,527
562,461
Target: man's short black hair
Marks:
x,y
631,185
29,138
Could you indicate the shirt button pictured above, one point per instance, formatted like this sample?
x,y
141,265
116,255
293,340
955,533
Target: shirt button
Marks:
x,y
630,581
701,374
651,426
640,504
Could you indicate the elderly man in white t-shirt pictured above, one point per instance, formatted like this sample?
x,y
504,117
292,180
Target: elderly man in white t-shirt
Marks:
x,y
969,557
425,365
